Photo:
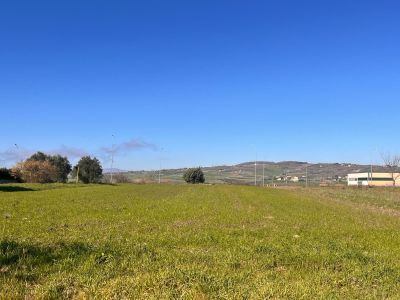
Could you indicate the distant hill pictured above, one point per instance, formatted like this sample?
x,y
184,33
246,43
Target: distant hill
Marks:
x,y
113,170
243,173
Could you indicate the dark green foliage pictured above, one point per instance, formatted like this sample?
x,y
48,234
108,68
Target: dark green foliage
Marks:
x,y
6,175
194,175
90,170
62,164
39,156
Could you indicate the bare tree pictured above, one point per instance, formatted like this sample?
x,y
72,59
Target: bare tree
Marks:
x,y
392,162
36,171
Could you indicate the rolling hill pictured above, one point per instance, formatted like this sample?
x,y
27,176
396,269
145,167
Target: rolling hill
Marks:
x,y
274,172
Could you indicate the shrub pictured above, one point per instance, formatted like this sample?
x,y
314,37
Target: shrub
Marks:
x,y
60,163
6,175
35,171
194,175
62,166
117,178
88,170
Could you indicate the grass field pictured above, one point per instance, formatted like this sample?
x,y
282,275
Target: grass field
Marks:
x,y
198,242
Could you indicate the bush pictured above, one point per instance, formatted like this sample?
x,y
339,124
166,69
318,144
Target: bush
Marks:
x,y
35,171
6,175
117,178
194,175
62,166
60,163
88,170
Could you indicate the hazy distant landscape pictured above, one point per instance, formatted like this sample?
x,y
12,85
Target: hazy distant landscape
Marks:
x,y
329,173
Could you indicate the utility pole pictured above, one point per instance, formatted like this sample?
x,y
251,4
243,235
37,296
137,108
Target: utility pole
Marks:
x,y
112,159
370,177
307,175
159,170
77,175
371,173
255,172
263,174
255,166
286,177
159,174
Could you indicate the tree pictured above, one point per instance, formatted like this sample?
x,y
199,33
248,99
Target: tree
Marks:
x,y
117,178
60,163
6,175
392,162
62,166
88,170
39,156
194,175
35,171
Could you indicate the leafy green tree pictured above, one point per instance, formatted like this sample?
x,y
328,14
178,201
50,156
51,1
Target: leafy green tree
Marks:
x,y
61,164
194,175
6,175
39,156
88,170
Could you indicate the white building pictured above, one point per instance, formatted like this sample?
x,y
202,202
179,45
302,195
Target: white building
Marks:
x,y
373,179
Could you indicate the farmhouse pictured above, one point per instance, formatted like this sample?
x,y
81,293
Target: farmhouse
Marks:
x,y
373,179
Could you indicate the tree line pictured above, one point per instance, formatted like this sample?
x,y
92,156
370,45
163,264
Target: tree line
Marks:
x,y
45,168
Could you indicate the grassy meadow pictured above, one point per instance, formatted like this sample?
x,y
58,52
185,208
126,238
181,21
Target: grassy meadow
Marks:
x,y
198,242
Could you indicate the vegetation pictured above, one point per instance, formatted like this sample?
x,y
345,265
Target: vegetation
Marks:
x,y
6,175
326,173
63,167
198,242
194,175
56,166
88,170
36,171
116,178
392,162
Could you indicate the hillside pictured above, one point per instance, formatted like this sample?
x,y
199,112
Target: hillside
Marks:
x,y
276,172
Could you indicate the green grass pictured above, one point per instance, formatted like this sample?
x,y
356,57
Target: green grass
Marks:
x,y
198,242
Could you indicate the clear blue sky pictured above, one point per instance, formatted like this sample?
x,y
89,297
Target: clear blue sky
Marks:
x,y
210,82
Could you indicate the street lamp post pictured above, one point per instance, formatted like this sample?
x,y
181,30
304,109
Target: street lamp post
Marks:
x,y
159,170
263,174
307,175
112,158
255,172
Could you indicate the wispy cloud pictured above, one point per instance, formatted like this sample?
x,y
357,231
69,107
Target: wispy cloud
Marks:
x,y
13,155
70,152
126,147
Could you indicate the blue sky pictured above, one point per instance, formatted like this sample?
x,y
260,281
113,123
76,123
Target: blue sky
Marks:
x,y
200,82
